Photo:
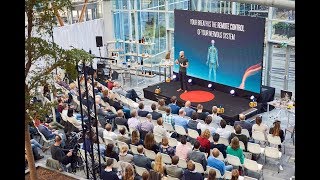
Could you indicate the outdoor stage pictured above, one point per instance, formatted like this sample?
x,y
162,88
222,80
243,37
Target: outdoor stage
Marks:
x,y
233,105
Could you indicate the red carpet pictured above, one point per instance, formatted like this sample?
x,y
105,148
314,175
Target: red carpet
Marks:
x,y
197,96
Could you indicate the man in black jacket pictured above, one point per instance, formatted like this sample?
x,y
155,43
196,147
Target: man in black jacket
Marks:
x,y
59,154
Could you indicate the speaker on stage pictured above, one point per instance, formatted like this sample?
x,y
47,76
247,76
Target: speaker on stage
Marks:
x,y
99,41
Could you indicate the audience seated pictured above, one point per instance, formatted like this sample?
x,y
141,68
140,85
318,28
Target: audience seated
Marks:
x,y
155,115
181,120
108,134
192,124
150,143
107,173
234,149
221,147
146,175
71,119
277,131
124,155
215,117
182,148
197,156
141,111
173,105
122,136
96,123
120,119
214,162
243,123
135,138
134,122
165,148
147,125
235,174
131,94
158,165
167,117
190,173
173,170
201,115
211,175
129,173
259,126
110,152
204,141
222,131
161,105
188,109
207,125
241,137
160,130
114,102
140,159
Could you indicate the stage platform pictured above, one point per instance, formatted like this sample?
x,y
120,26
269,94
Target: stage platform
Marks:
x,y
233,105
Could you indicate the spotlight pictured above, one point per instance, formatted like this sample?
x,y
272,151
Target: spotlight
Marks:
x,y
190,80
252,97
210,85
174,76
232,92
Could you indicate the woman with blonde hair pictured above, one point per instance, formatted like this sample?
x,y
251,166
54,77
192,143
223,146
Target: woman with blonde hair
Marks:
x,y
234,149
157,165
150,143
204,141
234,174
135,138
124,156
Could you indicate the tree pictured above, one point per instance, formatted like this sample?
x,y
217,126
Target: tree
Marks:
x,y
41,58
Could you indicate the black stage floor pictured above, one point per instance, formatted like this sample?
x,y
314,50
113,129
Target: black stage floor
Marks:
x,y
233,105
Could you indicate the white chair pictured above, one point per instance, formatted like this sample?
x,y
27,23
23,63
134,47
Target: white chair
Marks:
x,y
199,167
124,100
171,178
193,133
120,144
201,121
249,178
218,174
172,142
157,138
166,158
242,145
140,170
132,104
245,132
223,141
211,139
168,127
150,154
44,139
182,163
154,122
108,141
230,128
274,141
255,148
113,110
259,136
134,149
180,130
253,166
227,175
220,157
233,160
273,153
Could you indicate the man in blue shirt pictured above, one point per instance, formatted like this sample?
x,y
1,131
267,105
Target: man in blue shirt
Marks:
x,y
173,105
188,109
214,162
180,120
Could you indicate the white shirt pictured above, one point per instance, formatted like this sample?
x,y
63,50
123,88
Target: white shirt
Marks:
x,y
263,128
216,119
134,123
109,135
223,132
160,130
206,126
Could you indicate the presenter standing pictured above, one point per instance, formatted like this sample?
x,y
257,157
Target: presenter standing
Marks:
x,y
183,64
212,61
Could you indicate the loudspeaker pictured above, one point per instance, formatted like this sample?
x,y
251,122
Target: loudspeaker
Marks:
x,y
99,41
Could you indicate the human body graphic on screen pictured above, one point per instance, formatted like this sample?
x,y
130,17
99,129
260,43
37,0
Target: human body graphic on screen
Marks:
x,y
212,61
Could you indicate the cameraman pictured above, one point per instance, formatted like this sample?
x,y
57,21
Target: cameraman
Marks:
x,y
64,156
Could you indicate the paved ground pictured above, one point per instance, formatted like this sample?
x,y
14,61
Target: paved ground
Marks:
x,y
270,171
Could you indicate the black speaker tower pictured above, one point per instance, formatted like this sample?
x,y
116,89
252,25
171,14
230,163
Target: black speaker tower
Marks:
x,y
99,41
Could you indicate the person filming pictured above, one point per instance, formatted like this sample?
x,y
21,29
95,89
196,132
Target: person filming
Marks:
x,y
183,65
